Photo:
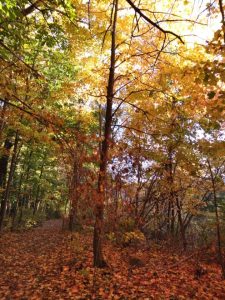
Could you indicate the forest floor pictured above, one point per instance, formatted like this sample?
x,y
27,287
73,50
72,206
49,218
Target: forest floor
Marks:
x,y
46,263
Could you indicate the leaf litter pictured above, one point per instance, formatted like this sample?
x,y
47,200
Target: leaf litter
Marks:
x,y
46,263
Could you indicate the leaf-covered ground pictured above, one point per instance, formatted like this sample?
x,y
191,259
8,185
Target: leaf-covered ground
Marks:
x,y
46,263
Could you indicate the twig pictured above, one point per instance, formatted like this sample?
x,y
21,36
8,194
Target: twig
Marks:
x,y
146,18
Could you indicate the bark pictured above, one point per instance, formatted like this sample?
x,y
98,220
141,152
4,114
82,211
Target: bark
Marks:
x,y
4,162
168,218
116,200
10,177
172,225
73,221
170,183
99,209
218,229
21,194
36,203
181,224
100,128
137,219
2,118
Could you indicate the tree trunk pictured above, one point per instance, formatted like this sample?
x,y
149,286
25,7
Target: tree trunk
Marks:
x,y
99,209
7,189
2,118
24,176
74,192
36,203
4,162
181,224
137,219
170,182
218,230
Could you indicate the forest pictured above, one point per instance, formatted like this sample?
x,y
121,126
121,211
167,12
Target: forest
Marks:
x,y
112,149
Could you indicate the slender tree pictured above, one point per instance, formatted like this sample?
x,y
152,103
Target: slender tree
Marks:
x,y
218,227
99,209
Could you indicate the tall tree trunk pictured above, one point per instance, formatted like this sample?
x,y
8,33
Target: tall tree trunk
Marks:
x,y
181,223
137,219
116,200
10,177
100,199
171,175
170,182
218,230
2,118
24,176
4,159
36,203
100,128
168,217
74,195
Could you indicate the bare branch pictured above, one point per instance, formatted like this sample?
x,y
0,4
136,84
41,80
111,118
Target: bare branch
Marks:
x,y
136,129
154,24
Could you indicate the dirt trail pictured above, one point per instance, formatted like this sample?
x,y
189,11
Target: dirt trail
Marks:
x,y
30,262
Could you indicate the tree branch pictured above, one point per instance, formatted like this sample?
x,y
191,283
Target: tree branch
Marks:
x,y
146,18
21,60
26,11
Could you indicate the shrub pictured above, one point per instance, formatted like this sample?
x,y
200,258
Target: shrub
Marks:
x,y
133,238
111,236
126,225
29,220
130,238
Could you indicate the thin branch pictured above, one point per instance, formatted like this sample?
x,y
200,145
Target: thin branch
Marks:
x,y
22,109
107,29
21,60
89,14
146,18
223,17
181,20
135,129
